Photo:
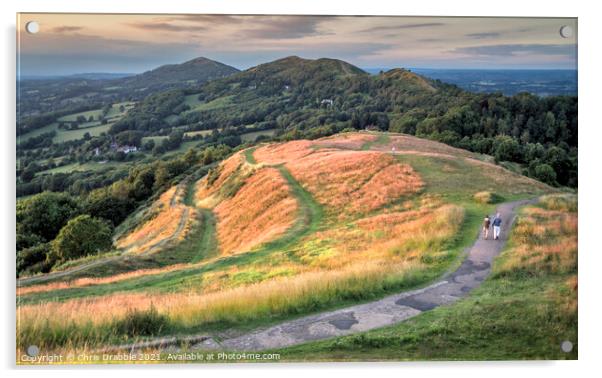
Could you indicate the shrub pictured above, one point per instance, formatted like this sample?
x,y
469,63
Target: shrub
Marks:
x,y
82,236
486,197
545,173
142,323
33,259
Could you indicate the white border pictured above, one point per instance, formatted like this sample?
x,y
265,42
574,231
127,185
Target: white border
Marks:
x,y
590,113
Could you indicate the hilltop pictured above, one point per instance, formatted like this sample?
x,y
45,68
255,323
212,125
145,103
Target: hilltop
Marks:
x,y
190,73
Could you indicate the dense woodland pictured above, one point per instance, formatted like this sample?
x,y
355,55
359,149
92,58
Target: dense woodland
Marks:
x,y
295,97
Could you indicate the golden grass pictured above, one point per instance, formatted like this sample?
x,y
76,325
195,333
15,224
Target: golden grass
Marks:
x,y
351,141
484,197
283,152
277,296
226,169
172,220
261,210
395,236
372,238
352,182
89,281
411,144
377,252
544,240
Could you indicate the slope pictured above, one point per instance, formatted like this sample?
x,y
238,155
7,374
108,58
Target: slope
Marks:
x,y
349,241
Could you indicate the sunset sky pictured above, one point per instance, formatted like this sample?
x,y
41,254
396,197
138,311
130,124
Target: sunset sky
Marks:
x,y
77,43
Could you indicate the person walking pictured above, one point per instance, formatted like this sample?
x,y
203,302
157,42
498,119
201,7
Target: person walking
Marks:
x,y
486,225
497,225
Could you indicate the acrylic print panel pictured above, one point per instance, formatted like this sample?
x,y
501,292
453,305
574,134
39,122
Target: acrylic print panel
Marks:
x,y
224,188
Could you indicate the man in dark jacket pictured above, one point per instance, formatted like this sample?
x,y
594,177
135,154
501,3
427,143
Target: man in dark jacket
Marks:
x,y
497,225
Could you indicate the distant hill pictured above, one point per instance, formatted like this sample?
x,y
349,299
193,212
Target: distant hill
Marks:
x,y
44,94
190,73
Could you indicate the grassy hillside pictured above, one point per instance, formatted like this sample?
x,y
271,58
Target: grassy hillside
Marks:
x,y
524,311
276,231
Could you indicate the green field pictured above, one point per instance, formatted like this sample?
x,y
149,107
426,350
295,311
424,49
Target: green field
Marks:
x,y
197,106
200,132
251,136
94,128
89,166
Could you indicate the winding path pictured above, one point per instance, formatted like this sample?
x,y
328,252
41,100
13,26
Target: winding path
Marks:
x,y
387,311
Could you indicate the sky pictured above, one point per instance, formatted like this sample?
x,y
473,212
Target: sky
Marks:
x,y
126,43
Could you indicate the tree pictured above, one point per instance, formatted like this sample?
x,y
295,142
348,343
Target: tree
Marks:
x,y
34,259
506,149
545,173
191,157
29,173
103,204
45,214
82,236
149,145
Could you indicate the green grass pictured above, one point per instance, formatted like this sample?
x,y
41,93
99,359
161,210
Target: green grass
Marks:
x,y
73,117
501,320
200,132
67,135
382,138
34,133
185,146
199,106
192,100
251,136
89,166
156,138
94,128
458,180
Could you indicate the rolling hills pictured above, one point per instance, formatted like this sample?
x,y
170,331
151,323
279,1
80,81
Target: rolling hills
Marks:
x,y
36,96
274,231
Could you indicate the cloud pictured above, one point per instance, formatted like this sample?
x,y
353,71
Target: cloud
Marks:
x,y
482,35
207,19
402,26
285,27
71,53
519,49
165,26
66,29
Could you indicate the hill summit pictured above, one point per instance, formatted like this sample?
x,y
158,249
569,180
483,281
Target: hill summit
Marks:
x,y
196,71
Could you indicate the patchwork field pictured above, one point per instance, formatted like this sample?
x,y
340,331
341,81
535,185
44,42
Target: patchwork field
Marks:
x,y
94,127
276,231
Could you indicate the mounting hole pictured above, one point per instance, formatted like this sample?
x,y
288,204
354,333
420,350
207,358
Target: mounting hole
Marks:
x,y
32,27
566,31
566,346
33,350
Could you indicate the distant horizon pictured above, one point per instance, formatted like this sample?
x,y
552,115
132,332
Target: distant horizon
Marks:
x,y
74,43
365,68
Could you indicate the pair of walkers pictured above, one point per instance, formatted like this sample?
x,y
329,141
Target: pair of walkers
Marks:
x,y
497,226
